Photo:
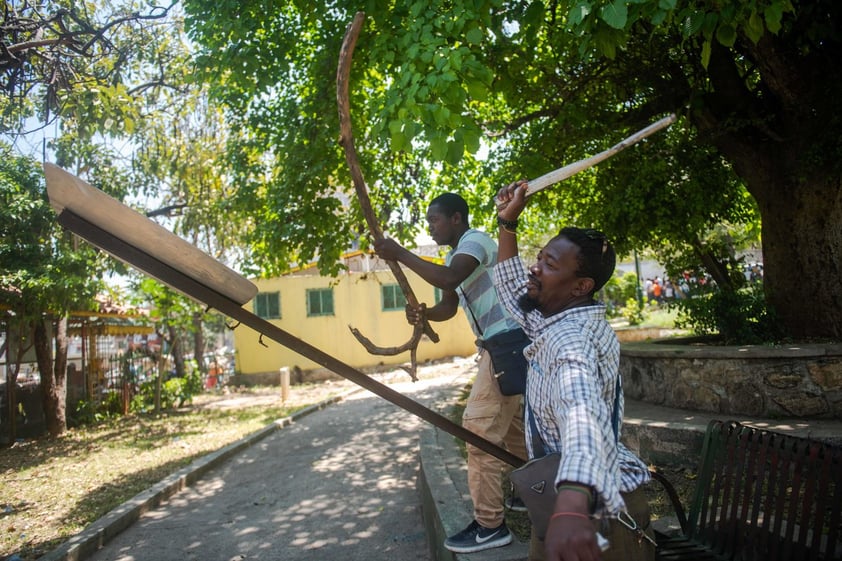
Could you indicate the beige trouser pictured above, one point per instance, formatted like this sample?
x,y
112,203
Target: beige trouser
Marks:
x,y
625,545
499,419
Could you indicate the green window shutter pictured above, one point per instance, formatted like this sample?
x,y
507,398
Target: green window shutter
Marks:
x,y
320,302
392,297
267,305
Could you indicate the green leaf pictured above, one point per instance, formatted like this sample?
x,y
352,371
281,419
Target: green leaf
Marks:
x,y
754,27
726,35
578,12
474,36
706,47
773,14
693,23
477,90
605,44
472,140
398,141
456,60
438,147
442,115
615,14
659,17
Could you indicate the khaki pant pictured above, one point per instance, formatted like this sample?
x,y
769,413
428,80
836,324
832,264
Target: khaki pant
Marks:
x,y
498,419
624,543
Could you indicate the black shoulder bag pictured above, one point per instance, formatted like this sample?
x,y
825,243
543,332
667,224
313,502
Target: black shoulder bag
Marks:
x,y
506,350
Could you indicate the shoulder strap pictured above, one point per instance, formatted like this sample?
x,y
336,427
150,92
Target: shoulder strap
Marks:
x,y
473,317
538,448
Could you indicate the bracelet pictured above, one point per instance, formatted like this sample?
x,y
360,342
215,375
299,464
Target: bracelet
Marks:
x,y
508,225
578,489
576,514
507,230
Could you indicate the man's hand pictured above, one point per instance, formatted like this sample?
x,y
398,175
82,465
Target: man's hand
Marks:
x,y
388,249
415,316
571,538
511,200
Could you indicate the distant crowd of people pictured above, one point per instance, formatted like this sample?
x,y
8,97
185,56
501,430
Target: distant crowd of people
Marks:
x,y
664,289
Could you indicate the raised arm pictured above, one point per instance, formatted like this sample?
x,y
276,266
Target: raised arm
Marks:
x,y
511,201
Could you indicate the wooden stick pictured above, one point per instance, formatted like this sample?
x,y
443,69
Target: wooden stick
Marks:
x,y
346,139
561,174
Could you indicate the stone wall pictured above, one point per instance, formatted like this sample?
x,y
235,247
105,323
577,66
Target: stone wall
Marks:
x,y
799,381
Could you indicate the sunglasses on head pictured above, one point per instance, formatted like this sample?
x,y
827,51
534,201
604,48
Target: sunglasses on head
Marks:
x,y
598,236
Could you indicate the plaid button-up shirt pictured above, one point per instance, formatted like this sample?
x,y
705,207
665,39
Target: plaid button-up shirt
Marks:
x,y
572,389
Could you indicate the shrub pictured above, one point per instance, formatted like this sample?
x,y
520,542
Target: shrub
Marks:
x,y
617,293
738,317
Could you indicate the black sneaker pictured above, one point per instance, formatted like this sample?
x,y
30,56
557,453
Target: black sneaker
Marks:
x,y
515,504
477,538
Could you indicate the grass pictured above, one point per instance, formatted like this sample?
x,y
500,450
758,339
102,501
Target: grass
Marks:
x,y
55,487
659,317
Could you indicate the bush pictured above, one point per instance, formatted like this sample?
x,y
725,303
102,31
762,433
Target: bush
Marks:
x,y
738,317
90,412
633,311
175,392
617,293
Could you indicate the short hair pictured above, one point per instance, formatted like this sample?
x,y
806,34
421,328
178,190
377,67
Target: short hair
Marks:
x,y
450,204
596,257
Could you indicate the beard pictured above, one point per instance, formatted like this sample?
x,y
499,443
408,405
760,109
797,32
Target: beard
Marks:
x,y
527,304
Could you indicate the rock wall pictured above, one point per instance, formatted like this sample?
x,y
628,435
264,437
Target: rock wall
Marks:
x,y
799,381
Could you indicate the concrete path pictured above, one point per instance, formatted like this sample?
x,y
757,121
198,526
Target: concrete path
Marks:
x,y
347,483
339,484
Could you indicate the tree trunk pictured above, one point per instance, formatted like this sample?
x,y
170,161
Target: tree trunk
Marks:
x,y
782,145
176,351
53,373
199,344
802,257
801,217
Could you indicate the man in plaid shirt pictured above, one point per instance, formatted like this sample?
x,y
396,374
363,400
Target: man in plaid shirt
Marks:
x,y
574,402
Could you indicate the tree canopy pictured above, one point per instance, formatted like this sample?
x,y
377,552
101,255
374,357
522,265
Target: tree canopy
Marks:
x,y
44,274
538,85
468,96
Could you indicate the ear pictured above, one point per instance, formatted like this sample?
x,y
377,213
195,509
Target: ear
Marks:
x,y
584,286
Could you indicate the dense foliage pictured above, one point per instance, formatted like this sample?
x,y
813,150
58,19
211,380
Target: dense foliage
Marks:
x,y
536,85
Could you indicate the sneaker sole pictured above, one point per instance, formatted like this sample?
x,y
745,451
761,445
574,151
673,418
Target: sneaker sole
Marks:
x,y
480,546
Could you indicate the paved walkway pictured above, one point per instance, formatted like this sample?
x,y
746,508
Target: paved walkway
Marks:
x,y
338,484
343,483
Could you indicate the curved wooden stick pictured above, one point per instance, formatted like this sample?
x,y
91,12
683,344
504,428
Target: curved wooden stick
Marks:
x,y
569,170
346,139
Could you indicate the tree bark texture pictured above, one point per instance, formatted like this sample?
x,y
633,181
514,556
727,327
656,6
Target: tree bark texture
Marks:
x,y
199,344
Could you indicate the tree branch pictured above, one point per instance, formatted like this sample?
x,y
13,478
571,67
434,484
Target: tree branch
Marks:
x,y
347,141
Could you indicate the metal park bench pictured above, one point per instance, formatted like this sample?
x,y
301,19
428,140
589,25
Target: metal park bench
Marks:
x,y
760,495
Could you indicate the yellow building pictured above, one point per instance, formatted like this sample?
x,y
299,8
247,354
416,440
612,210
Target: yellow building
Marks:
x,y
321,310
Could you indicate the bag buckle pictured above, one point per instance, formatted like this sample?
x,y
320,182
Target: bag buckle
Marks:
x,y
626,520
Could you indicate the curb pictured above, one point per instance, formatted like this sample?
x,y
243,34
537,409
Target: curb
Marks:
x,y
92,538
446,502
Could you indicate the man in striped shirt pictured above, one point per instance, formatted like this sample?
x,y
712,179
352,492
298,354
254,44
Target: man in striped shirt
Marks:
x,y
465,279
574,402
